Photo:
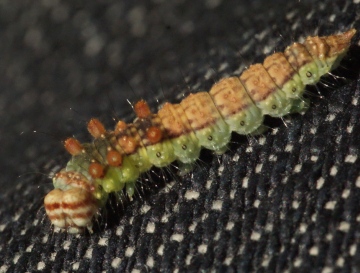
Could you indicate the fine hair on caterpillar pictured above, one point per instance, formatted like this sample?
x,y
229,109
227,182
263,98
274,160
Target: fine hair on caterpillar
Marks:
x,y
115,159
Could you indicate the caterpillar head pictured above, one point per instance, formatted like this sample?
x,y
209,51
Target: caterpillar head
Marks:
x,y
72,209
74,202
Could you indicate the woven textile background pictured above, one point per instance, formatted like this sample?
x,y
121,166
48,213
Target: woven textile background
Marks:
x,y
285,201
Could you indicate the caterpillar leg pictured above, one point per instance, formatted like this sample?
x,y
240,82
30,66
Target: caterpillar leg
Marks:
x,y
221,150
185,168
260,130
300,105
130,188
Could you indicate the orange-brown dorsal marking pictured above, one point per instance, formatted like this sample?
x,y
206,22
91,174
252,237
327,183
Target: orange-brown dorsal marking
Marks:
x,y
96,170
154,134
128,144
73,146
142,109
96,128
114,158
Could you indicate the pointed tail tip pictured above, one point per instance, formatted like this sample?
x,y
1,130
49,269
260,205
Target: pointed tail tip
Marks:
x,y
349,34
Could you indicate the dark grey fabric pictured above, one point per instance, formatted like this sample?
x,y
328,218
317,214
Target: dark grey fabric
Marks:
x,y
285,201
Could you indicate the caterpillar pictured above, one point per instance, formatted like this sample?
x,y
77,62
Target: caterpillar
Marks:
x,y
115,159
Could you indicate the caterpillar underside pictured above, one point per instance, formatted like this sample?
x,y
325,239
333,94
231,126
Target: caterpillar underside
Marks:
x,y
115,159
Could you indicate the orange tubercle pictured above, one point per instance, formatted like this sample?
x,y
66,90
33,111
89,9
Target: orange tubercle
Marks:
x,y
142,109
114,158
73,146
154,134
128,144
96,170
96,128
120,126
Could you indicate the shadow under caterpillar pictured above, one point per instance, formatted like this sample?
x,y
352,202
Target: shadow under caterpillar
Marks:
x,y
115,159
